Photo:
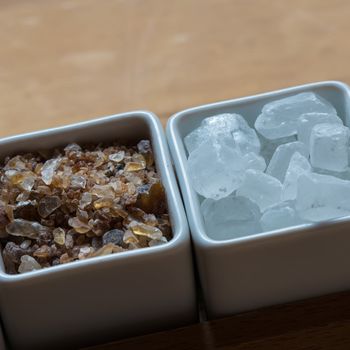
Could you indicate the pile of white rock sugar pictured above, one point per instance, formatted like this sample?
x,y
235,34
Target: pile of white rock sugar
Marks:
x,y
294,171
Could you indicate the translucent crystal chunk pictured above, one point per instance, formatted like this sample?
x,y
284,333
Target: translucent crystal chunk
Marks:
x,y
344,175
117,157
48,170
25,228
261,188
28,183
145,148
85,200
129,237
279,118
85,252
103,191
254,161
24,179
156,242
43,252
78,225
216,170
298,165
135,166
281,158
322,197
151,198
28,264
78,181
141,229
59,235
48,205
108,249
26,244
72,147
308,120
280,216
329,147
230,217
268,147
231,126
65,258
103,203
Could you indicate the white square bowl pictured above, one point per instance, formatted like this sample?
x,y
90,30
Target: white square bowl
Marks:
x,y
2,339
267,268
103,298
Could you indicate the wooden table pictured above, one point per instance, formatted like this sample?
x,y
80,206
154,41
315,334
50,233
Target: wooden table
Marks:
x,y
67,61
318,324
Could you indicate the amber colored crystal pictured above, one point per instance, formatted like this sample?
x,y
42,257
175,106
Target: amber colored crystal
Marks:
x,y
152,199
107,249
65,258
141,229
59,236
42,252
135,166
78,225
129,237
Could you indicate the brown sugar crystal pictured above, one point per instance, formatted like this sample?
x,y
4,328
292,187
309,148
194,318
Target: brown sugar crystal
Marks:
x,y
79,203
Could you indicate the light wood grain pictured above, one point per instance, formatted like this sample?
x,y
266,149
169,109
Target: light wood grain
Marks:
x,y
66,61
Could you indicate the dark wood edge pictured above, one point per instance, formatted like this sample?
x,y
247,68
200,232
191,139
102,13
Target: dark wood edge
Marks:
x,y
318,323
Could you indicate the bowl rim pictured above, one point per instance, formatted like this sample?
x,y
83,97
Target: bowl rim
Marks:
x,y
178,153
165,169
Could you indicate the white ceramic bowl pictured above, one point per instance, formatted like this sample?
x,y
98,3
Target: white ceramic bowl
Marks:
x,y
110,297
2,340
267,268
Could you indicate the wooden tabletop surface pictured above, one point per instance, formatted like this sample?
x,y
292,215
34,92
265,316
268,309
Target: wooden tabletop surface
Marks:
x,y
72,60
321,323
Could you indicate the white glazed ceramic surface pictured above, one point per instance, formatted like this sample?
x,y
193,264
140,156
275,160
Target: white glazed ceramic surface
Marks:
x,y
267,268
2,340
110,297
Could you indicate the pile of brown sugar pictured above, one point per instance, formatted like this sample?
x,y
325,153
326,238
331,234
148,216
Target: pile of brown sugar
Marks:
x,y
80,203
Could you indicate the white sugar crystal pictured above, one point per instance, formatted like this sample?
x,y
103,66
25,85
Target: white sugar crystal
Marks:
x,y
344,175
261,188
322,197
308,120
216,170
227,161
280,216
268,147
230,217
281,158
329,147
279,118
298,165
194,139
228,125
254,161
